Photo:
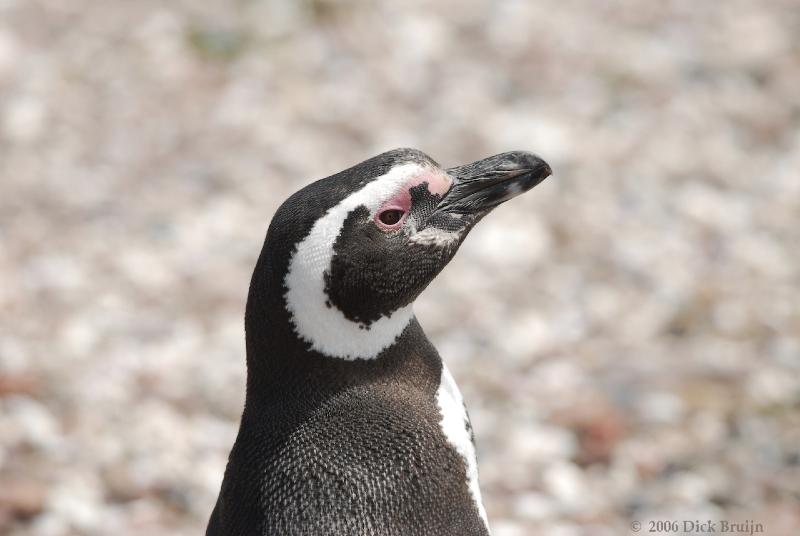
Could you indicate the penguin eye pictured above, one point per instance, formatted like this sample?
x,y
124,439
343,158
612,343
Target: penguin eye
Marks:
x,y
391,217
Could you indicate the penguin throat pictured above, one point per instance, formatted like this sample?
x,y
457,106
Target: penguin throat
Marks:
x,y
315,320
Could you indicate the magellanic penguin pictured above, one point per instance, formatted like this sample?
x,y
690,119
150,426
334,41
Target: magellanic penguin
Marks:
x,y
352,424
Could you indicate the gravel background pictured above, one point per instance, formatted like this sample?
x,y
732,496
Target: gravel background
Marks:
x,y
627,335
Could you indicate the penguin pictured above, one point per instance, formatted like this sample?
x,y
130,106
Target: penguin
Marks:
x,y
352,424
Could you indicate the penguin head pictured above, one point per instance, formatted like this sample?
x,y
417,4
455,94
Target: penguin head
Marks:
x,y
359,247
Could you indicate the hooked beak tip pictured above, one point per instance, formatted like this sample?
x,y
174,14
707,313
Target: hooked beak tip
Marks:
x,y
482,185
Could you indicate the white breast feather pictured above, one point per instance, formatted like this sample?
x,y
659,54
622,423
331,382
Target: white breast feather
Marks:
x,y
454,425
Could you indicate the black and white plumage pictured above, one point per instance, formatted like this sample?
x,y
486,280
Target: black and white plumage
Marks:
x,y
352,424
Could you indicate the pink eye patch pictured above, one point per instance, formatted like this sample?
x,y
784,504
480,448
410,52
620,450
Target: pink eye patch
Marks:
x,y
393,212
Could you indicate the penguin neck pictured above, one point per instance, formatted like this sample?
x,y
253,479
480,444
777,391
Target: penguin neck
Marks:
x,y
293,380
283,366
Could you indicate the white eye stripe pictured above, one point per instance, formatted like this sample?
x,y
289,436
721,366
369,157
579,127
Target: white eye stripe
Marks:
x,y
323,326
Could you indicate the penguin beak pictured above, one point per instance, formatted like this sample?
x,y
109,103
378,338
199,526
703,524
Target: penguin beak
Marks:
x,y
480,186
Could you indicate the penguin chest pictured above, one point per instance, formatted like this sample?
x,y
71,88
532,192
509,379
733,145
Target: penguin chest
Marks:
x,y
457,429
394,462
